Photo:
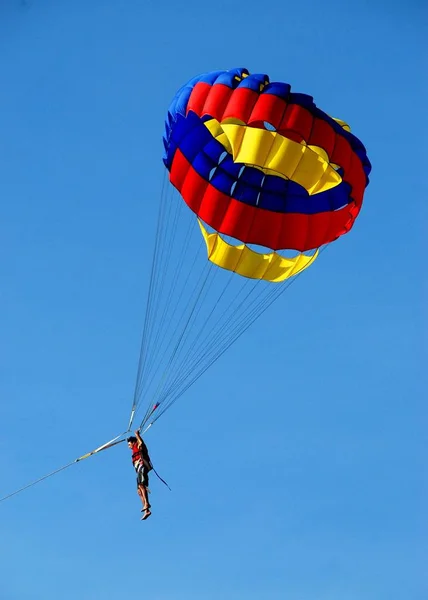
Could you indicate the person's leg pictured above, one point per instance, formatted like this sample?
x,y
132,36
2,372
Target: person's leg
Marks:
x,y
141,494
144,492
144,497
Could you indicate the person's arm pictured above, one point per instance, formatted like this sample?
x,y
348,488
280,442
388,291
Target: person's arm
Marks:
x,y
143,448
139,439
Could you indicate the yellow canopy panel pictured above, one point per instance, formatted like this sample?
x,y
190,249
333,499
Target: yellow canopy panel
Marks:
x,y
273,153
248,263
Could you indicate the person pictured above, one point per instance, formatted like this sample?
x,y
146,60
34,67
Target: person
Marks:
x,y
142,465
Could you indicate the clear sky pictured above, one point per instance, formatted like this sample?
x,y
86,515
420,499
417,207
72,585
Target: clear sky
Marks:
x,y
298,462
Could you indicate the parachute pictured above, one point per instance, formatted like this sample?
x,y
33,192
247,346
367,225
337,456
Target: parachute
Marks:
x,y
260,181
270,179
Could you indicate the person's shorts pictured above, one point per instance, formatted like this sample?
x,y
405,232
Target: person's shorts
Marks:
x,y
142,475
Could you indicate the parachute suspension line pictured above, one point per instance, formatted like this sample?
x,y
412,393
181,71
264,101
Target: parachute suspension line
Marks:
x,y
154,294
200,350
238,330
187,330
215,344
165,321
166,251
215,355
166,232
142,356
160,326
199,289
155,290
221,323
158,350
210,348
158,321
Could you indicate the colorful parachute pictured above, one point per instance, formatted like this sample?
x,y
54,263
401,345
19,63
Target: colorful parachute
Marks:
x,y
271,179
265,166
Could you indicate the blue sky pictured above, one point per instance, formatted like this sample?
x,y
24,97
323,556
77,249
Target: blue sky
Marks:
x,y
297,461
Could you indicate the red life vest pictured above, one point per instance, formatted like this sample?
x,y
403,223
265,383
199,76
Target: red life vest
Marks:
x,y
136,454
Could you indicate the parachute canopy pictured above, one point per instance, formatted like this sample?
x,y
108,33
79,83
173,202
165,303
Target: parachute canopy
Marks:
x,y
265,166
